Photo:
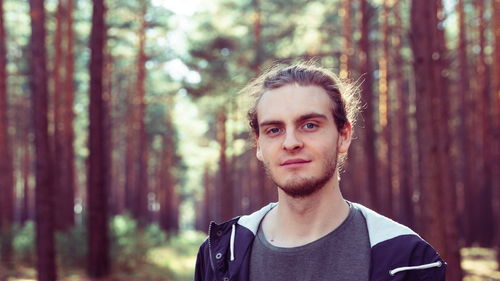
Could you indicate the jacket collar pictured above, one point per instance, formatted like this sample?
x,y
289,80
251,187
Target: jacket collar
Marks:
x,y
380,228
252,221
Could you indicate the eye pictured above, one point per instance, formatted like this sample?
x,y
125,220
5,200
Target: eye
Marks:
x,y
273,131
310,126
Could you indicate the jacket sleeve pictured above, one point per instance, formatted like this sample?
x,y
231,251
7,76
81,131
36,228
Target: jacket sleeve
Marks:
x,y
423,253
406,258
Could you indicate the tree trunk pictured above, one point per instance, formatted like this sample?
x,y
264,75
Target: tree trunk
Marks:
x,y
225,191
68,118
465,138
438,197
355,185
404,153
130,152
496,120
142,144
25,172
166,184
64,218
346,57
98,263
43,157
6,164
384,110
484,206
368,134
205,214
257,35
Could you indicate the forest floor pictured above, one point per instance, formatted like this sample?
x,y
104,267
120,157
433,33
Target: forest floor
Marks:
x,y
171,263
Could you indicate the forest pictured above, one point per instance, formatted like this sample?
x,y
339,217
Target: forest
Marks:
x,y
123,133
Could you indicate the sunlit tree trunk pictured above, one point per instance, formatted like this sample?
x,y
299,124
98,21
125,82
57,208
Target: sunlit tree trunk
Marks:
x,y
346,56
6,164
142,144
44,204
353,186
438,197
98,261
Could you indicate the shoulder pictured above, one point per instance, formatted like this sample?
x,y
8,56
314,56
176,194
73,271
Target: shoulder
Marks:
x,y
397,249
381,228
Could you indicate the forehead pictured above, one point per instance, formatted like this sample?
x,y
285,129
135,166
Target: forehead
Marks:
x,y
291,101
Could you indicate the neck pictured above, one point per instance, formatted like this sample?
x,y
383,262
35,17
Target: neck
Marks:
x,y
298,221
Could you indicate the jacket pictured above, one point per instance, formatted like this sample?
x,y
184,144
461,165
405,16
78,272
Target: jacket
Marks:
x,y
397,253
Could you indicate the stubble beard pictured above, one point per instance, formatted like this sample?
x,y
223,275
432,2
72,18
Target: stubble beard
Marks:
x,y
300,187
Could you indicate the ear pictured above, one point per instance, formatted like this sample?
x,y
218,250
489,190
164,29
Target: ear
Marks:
x,y
345,137
258,153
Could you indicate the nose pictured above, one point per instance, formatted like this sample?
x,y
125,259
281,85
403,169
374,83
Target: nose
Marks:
x,y
292,142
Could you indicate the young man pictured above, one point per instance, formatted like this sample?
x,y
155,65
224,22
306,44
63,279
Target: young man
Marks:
x,y
302,120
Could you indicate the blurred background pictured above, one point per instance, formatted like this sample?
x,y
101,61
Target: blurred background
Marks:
x,y
122,133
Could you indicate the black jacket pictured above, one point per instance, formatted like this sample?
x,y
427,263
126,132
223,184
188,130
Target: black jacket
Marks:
x,y
397,253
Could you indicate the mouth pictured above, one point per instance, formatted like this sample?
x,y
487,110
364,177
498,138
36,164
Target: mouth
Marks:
x,y
294,162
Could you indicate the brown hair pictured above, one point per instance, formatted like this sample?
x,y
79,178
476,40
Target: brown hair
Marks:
x,y
344,95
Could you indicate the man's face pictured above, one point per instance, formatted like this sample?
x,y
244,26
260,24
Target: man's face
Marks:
x,y
298,140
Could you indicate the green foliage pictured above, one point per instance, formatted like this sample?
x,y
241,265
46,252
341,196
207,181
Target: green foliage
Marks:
x,y
130,244
187,243
178,256
24,243
72,246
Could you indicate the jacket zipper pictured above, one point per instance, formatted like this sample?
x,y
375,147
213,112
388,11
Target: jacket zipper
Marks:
x,y
210,247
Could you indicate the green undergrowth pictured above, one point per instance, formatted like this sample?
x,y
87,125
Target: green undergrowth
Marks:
x,y
136,253
148,254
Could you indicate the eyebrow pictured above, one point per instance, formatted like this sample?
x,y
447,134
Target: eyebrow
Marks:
x,y
298,120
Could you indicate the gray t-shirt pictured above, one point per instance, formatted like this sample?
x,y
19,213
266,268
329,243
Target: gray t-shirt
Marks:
x,y
341,255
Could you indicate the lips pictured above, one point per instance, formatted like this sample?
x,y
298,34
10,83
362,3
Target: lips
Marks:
x,y
294,162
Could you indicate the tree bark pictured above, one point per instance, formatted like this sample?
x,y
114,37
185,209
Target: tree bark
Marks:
x,y
142,144
98,263
130,153
6,163
368,135
68,118
46,266
169,208
438,196
225,191
57,107
496,117
63,185
346,57
465,138
355,185
404,153
384,111
484,203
